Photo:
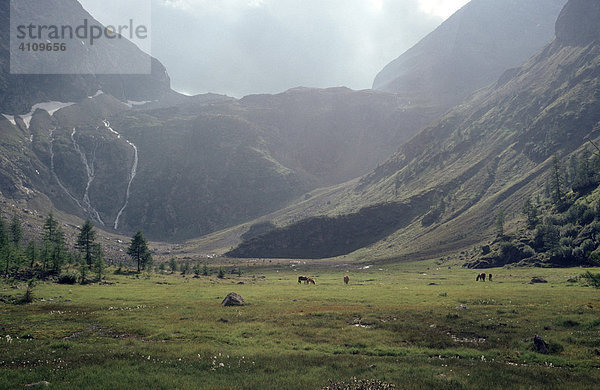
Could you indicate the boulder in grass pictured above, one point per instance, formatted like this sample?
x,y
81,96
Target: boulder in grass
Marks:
x,y
233,299
540,345
537,279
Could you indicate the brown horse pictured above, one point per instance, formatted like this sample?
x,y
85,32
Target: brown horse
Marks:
x,y
346,279
481,277
310,280
302,279
490,277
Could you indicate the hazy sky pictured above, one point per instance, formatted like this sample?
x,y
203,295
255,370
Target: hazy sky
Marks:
x,y
239,47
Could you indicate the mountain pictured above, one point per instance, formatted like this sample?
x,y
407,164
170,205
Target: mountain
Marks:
x,y
202,164
19,92
470,50
130,153
203,167
489,154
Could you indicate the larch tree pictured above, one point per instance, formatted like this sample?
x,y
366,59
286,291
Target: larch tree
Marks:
x,y
138,250
85,242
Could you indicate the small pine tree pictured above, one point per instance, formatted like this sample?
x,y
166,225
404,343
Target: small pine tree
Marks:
x,y
31,252
161,266
173,265
185,268
16,232
86,242
83,271
531,213
4,245
138,250
221,274
28,296
196,269
556,184
205,270
99,261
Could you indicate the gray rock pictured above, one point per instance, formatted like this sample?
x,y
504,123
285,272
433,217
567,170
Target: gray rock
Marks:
x,y
537,279
233,299
540,345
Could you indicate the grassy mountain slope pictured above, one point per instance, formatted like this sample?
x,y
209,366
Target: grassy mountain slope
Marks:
x,y
490,153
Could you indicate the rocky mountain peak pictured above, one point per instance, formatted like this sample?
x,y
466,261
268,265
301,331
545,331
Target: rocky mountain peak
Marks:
x,y
577,24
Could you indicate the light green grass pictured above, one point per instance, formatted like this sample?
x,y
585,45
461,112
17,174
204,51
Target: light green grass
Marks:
x,y
166,331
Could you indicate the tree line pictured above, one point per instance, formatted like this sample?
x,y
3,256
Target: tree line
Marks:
x,y
48,257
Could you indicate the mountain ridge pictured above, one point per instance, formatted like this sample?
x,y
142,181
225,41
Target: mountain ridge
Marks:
x,y
470,50
488,154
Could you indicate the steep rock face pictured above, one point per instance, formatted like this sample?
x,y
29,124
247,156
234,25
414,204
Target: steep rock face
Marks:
x,y
206,167
18,93
470,50
578,24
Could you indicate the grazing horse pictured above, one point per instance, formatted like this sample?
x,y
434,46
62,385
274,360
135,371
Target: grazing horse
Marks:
x,y
490,277
481,277
302,279
310,280
346,279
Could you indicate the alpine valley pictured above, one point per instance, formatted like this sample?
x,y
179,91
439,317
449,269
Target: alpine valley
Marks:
x,y
418,167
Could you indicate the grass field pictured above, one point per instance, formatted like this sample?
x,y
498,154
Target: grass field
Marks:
x,y
397,323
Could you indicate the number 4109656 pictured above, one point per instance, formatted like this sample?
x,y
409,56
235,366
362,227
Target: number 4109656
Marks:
x,y
42,46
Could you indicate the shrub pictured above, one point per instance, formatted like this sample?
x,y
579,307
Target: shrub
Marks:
x,y
578,253
510,253
527,251
588,246
566,241
67,279
591,279
570,230
595,257
28,296
587,217
575,213
546,237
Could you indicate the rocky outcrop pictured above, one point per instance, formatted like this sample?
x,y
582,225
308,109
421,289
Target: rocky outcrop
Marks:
x,y
233,299
577,24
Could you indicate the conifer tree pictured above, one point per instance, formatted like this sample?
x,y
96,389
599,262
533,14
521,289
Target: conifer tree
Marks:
x,y
138,250
16,231
556,183
98,261
4,245
531,212
85,242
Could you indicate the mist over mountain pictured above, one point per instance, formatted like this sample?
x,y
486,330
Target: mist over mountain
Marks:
x,y
180,167
489,154
470,50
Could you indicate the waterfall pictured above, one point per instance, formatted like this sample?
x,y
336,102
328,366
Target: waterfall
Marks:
x,y
91,175
132,173
60,184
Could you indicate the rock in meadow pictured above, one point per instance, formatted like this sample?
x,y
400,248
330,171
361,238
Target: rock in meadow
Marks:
x,y
233,299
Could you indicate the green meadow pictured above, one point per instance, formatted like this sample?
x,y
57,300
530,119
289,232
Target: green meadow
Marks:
x,y
416,325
